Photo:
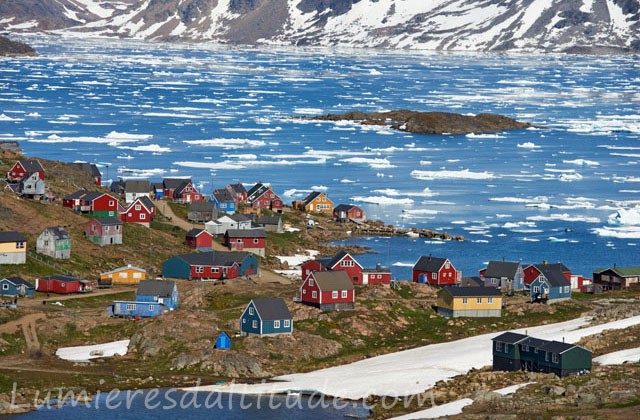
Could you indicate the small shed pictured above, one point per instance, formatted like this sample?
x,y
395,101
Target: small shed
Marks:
x,y
223,342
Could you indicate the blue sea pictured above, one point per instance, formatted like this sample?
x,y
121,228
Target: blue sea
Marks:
x,y
566,191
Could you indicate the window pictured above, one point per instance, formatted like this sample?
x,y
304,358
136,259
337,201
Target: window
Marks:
x,y
464,300
123,275
506,348
536,289
256,241
447,265
138,207
494,281
276,324
111,214
525,348
5,287
199,269
314,295
304,291
498,346
20,244
239,240
310,282
334,294
555,358
434,276
489,300
478,300
112,203
131,307
346,263
546,356
137,275
254,324
151,308
344,294
566,289
143,216
251,311
287,323
244,320
216,269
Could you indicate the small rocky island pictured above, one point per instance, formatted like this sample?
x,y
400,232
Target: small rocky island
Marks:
x,y
431,122
14,48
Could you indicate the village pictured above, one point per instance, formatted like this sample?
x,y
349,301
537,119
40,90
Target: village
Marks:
x,y
213,268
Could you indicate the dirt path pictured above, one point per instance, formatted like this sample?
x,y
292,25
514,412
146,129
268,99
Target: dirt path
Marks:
x,y
28,325
56,298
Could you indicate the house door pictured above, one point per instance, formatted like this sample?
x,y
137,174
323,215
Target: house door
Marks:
x,y
111,240
22,290
422,278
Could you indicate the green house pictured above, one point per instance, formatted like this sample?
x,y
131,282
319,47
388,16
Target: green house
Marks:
x,y
513,351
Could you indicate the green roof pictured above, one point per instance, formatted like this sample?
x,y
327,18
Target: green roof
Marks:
x,y
622,271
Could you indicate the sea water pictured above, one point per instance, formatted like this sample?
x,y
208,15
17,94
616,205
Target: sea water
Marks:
x,y
223,114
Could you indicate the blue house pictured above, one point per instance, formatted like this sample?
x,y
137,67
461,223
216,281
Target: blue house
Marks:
x,y
16,286
504,275
153,298
551,285
224,201
266,316
223,342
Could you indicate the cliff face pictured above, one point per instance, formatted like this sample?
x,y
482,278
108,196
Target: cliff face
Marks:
x,y
581,26
13,48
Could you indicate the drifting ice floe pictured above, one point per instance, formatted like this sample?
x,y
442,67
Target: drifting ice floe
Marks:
x,y
227,143
445,174
382,200
528,145
625,217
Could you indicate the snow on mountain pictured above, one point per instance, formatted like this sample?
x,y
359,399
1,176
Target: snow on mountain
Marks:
x,y
467,25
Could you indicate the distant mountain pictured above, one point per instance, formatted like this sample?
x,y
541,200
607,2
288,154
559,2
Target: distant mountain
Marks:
x,y
583,26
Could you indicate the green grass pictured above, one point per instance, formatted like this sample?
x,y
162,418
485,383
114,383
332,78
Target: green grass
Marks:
x,y
180,210
99,301
6,385
15,344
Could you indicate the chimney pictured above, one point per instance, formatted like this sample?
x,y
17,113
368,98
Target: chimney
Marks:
x,y
545,262
378,266
614,265
563,339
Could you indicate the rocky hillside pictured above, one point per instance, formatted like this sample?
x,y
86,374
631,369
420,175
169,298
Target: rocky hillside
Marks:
x,y
13,48
591,26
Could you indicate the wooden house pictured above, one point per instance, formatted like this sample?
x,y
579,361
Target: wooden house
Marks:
x,y
181,190
104,231
141,211
266,316
328,290
224,201
514,351
13,248
348,212
153,298
476,302
341,261
261,196
88,168
16,286
617,278
435,271
199,239
229,221
551,285
54,242
471,282
214,265
532,271
223,341
239,192
123,275
202,211
95,203
270,223
251,240
62,284
23,168
31,186
377,275
504,275
135,188
157,189
315,202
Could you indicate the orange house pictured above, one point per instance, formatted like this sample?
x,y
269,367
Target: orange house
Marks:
x,y
124,275
316,202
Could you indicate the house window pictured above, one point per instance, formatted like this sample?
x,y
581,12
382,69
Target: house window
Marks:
x,y
199,269
566,289
536,289
287,323
143,216
346,263
5,287
464,300
138,207
276,324
251,311
555,358
254,324
447,265
131,307
546,356
310,282
244,320
434,276
137,275
344,294
19,244
478,300
334,294
525,348
151,308
494,281
489,300
123,275
111,213
498,346
111,203
304,291
314,295
216,270
256,241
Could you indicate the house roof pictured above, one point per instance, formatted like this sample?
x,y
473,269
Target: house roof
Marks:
x,y
12,237
429,263
271,308
339,257
472,291
89,168
126,267
237,217
332,280
215,258
202,206
174,183
31,165
58,232
621,271
106,221
500,269
533,342
145,201
17,281
162,288
312,196
561,266
237,188
61,277
553,273
268,220
509,337
377,269
471,282
85,195
137,186
117,186
246,233
195,232
182,186
556,347
223,196
343,207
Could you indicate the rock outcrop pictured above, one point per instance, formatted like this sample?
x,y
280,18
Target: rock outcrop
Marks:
x,y
14,48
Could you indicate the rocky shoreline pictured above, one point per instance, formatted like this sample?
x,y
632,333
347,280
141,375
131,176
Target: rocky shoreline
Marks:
x,y
11,48
431,122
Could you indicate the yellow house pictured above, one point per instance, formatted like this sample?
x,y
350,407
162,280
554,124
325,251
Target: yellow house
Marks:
x,y
124,275
455,302
316,202
13,248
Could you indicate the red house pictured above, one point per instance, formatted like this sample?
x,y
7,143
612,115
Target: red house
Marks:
x,y
345,212
435,271
62,285
378,275
531,272
199,239
261,196
25,167
342,261
93,202
212,265
328,290
142,211
239,192
252,240
181,190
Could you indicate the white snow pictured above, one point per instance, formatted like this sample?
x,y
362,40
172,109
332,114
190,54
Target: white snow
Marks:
x,y
413,371
619,357
445,174
86,353
625,217
382,200
297,259
528,145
